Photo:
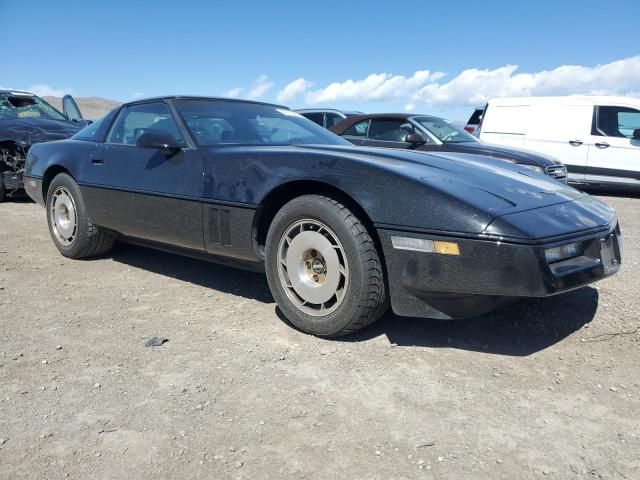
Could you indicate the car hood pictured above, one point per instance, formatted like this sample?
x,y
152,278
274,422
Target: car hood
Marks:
x,y
27,131
516,155
506,187
484,188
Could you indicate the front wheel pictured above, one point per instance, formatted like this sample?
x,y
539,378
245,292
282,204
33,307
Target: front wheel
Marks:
x,y
72,231
323,267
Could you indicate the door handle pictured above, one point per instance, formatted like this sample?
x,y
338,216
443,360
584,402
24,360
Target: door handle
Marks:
x,y
97,161
575,143
602,145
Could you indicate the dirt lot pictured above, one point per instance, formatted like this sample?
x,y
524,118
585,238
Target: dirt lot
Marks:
x,y
542,389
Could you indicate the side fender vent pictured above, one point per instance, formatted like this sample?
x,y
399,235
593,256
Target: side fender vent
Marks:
x,y
218,227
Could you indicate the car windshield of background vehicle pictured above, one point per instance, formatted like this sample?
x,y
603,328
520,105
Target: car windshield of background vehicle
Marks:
x,y
27,106
235,123
445,131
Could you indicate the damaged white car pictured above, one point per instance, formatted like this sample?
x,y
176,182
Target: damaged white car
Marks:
x,y
26,119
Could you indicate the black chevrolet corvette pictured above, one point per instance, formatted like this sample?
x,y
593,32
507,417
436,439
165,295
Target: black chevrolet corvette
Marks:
x,y
341,231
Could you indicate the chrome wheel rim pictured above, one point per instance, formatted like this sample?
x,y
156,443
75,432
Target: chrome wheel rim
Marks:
x,y
64,217
312,267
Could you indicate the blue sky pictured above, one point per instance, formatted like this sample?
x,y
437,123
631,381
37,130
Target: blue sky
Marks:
x,y
432,57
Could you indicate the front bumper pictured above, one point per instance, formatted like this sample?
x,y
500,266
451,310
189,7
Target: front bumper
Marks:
x,y
489,273
33,187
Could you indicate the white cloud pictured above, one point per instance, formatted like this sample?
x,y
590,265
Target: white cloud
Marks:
x,y
233,93
260,87
474,87
294,90
137,95
377,86
45,90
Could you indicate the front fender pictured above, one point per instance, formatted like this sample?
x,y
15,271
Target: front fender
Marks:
x,y
391,193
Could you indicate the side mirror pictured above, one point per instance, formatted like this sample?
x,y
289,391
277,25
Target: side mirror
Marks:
x,y
160,140
636,134
414,138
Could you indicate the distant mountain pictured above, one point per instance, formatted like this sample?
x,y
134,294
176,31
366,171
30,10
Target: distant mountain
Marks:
x,y
92,108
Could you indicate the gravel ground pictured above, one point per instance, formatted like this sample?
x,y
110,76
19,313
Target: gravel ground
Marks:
x,y
541,389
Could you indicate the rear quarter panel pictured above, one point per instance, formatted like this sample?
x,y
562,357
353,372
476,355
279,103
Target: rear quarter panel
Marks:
x,y
72,155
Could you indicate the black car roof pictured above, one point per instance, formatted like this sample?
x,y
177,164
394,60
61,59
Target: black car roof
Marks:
x,y
199,97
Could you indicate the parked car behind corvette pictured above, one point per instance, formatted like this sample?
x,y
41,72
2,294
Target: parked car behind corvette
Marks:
x,y
26,119
341,231
326,117
597,137
433,134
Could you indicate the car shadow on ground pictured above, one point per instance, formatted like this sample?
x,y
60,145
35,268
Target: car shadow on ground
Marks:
x,y
206,274
520,329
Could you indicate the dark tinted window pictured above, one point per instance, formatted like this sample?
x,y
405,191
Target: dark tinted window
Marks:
x,y
476,117
135,120
390,130
238,123
316,117
617,121
332,119
358,129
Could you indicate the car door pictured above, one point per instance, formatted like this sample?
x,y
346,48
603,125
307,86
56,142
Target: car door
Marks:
x,y
389,133
357,132
562,131
614,155
71,110
141,192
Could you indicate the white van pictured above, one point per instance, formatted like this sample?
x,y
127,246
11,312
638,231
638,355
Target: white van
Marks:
x,y
597,138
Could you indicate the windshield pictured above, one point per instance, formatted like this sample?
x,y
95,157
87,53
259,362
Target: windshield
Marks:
x,y
444,130
219,122
13,105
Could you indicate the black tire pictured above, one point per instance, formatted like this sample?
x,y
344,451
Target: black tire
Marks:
x,y
365,297
89,240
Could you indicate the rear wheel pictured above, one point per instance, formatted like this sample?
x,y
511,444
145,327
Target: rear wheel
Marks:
x,y
72,231
323,267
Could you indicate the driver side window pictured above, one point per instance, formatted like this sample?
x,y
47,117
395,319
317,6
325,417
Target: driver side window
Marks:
x,y
390,130
358,130
617,121
135,120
